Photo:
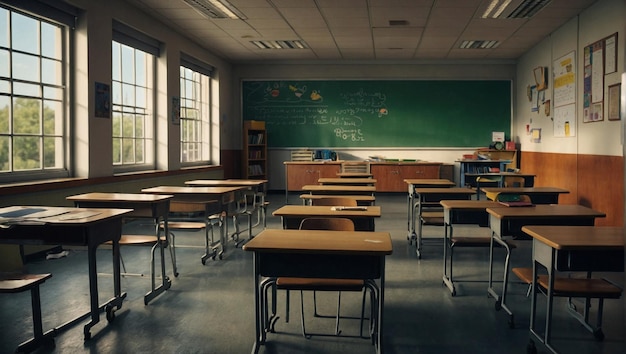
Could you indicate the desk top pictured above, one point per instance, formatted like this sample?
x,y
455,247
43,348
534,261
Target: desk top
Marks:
x,y
337,188
344,180
451,191
499,174
192,190
119,197
43,215
429,182
317,241
226,182
324,210
545,211
525,190
578,237
322,196
470,204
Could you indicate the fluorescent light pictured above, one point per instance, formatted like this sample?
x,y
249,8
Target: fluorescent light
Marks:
x,y
226,8
479,44
492,5
216,9
501,8
280,44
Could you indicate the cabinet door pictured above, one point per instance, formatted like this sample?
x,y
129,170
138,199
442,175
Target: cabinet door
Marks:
x,y
387,177
419,171
300,175
328,171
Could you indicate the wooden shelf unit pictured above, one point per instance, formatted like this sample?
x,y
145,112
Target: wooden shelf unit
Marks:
x,y
500,159
254,150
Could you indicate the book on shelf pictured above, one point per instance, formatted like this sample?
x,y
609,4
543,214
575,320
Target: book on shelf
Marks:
x,y
255,170
255,139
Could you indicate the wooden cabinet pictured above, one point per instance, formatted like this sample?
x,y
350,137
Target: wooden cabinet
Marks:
x,y
298,174
390,176
254,150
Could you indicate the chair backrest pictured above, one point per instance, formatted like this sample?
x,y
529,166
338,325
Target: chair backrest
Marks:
x,y
336,201
355,167
335,224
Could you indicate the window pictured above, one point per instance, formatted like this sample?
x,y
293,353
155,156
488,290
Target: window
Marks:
x,y
194,116
33,90
132,113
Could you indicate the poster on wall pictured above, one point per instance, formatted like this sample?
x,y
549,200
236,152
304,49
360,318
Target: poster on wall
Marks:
x,y
564,80
565,121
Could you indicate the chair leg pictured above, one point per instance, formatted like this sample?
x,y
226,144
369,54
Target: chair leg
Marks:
x,y
302,316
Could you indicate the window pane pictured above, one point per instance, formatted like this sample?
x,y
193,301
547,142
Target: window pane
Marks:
x,y
25,33
127,126
117,75
140,68
128,59
26,152
51,72
4,86
52,152
25,67
20,88
4,63
117,125
128,153
4,28
26,113
141,96
53,118
4,114
51,45
128,95
139,144
139,127
117,151
116,93
54,93
4,154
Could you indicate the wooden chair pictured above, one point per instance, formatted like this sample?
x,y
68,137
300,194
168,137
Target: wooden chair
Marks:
x,y
16,282
587,288
321,284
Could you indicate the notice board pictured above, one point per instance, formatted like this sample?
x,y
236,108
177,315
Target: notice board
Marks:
x,y
379,113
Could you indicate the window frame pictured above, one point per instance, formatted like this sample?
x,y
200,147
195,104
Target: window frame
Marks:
x,y
204,107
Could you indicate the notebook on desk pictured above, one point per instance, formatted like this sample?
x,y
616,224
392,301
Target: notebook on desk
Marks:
x,y
518,203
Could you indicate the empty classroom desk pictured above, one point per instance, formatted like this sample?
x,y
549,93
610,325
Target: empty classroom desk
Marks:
x,y
462,212
572,248
362,200
72,226
225,197
509,222
319,254
429,198
335,189
152,206
344,181
363,217
413,183
538,195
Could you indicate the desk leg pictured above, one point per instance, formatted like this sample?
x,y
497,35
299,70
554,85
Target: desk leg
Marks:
x,y
381,304
447,279
258,340
500,298
410,217
418,219
545,256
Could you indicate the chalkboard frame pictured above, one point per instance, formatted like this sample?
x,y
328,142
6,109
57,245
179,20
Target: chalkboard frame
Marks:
x,y
379,113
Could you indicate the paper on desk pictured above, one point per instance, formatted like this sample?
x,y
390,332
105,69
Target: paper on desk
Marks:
x,y
79,215
340,208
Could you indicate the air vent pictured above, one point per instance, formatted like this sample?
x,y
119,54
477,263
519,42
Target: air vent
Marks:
x,y
479,44
216,9
528,8
393,23
280,44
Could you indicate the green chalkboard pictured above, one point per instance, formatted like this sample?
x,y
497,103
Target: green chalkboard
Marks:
x,y
379,113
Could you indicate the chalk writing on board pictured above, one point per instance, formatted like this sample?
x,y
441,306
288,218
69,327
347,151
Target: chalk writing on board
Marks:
x,y
349,134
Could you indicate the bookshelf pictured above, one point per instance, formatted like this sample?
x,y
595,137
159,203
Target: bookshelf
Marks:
x,y
495,161
254,150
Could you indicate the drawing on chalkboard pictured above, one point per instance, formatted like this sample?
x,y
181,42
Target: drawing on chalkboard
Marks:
x,y
315,96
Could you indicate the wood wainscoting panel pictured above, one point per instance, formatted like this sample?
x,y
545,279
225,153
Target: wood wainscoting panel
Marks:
x,y
595,181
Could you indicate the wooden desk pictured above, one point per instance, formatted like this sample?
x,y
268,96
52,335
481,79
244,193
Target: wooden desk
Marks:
x,y
73,226
319,254
354,174
225,197
151,206
571,248
413,183
470,178
362,200
430,198
335,189
344,181
292,215
538,195
509,222
256,184
461,212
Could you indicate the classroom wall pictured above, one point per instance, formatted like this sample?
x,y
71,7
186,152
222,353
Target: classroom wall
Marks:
x,y
423,70
589,164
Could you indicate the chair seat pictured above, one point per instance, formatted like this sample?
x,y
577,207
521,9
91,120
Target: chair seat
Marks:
x,y
469,241
573,287
139,240
320,284
184,225
432,217
18,282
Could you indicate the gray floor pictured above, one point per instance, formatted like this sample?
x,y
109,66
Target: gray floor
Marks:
x,y
209,308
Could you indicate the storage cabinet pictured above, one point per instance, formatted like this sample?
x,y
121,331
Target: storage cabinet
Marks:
x,y
299,174
390,176
254,150
502,160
